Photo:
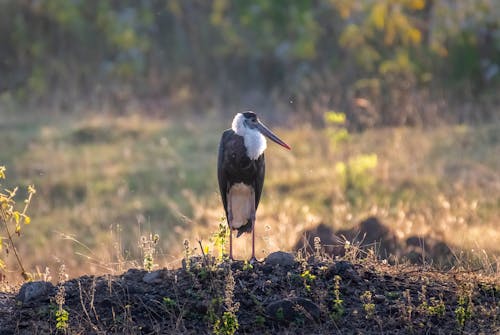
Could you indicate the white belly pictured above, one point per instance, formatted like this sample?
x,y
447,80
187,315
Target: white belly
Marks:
x,y
241,199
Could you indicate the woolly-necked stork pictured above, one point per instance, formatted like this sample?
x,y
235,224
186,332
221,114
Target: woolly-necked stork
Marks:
x,y
241,170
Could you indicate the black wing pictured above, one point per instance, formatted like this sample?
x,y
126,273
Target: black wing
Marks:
x,y
221,175
259,181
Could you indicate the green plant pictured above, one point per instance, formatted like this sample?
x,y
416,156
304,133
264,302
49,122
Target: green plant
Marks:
x,y
260,320
187,255
148,247
465,308
435,307
280,315
354,173
247,266
219,239
10,216
368,305
62,319
392,295
62,315
335,130
338,307
408,309
228,323
169,302
308,279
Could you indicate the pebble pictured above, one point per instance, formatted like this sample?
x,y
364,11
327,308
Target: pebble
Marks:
x,y
379,298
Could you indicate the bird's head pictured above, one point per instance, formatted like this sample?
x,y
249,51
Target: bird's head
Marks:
x,y
248,125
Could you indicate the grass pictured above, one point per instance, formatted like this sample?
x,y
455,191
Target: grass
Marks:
x,y
103,182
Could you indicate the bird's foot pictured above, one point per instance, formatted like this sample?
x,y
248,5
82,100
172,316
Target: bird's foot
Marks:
x,y
253,260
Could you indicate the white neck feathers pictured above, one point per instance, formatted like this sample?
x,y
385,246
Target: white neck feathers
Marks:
x,y
254,141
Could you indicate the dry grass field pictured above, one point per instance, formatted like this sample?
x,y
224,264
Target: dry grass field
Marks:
x,y
106,183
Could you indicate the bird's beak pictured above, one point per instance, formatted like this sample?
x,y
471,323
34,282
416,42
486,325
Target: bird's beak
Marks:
x,y
269,134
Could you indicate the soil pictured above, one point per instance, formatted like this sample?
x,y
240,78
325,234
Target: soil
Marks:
x,y
281,295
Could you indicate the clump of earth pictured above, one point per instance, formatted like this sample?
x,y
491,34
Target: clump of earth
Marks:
x,y
282,294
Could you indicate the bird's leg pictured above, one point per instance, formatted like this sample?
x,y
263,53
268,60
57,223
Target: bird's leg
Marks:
x,y
230,223
230,244
252,218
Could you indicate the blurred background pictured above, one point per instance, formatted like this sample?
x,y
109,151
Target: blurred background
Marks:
x,y
114,110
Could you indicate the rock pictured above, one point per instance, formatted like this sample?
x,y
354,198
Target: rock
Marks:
x,y
280,258
37,290
293,309
378,298
152,277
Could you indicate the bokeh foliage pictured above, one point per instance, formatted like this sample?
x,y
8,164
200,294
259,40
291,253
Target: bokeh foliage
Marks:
x,y
391,53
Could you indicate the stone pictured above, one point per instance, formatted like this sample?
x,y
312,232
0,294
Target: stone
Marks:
x,y
33,291
280,258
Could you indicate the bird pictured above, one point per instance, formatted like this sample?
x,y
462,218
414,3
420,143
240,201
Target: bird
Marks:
x,y
241,171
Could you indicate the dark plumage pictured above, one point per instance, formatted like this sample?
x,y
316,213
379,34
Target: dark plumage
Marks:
x,y
234,166
241,171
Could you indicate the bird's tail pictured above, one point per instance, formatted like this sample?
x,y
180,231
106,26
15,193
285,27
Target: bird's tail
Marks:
x,y
247,228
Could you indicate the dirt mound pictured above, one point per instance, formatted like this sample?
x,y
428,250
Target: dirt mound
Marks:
x,y
429,250
318,296
373,234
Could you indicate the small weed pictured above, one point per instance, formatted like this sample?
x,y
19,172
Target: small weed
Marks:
x,y
280,315
62,319
62,315
247,266
338,307
368,305
187,255
203,273
317,246
148,247
219,239
436,307
9,216
392,295
351,251
408,309
308,279
260,320
169,302
228,323
464,310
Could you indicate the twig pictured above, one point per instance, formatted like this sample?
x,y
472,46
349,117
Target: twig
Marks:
x,y
205,259
18,258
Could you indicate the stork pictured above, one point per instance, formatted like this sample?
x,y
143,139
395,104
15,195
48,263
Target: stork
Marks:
x,y
241,170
